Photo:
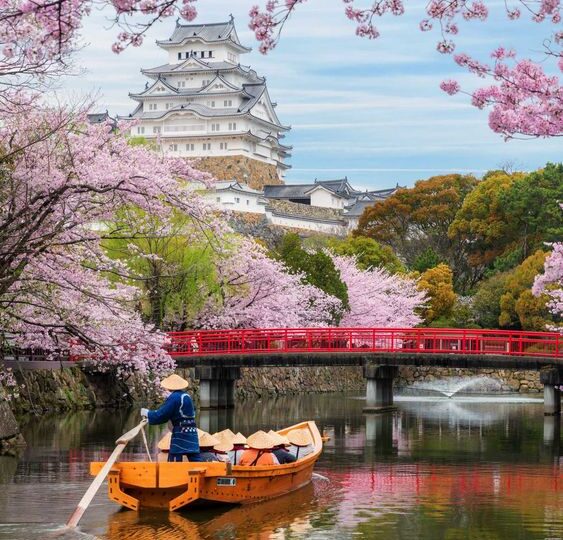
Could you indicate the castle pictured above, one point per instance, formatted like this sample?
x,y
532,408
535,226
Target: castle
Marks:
x,y
204,104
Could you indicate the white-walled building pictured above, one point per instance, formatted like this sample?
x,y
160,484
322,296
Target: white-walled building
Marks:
x,y
204,103
326,206
237,197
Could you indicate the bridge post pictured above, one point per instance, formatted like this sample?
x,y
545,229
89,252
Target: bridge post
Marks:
x,y
216,386
379,389
551,378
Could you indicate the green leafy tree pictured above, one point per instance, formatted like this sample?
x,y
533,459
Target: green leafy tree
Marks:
x,y
426,260
368,253
486,301
317,267
532,206
169,261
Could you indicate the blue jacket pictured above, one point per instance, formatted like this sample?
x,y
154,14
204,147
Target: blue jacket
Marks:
x,y
178,409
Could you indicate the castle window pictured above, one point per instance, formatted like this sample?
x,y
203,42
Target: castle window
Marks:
x,y
228,103
173,147
190,147
203,54
223,146
141,130
237,199
232,126
156,129
218,199
215,127
247,202
179,56
207,146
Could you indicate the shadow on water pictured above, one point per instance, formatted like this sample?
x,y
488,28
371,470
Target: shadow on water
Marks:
x,y
437,468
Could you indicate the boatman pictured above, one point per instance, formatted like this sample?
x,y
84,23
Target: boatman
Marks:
x,y
178,409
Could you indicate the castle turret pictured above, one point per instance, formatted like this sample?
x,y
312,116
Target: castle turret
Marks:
x,y
204,104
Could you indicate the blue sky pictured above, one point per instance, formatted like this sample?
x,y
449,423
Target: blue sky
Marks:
x,y
371,110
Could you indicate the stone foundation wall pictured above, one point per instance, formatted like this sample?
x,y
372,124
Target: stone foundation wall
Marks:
x,y
255,173
284,380
511,380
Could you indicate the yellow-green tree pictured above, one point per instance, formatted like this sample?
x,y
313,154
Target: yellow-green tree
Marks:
x,y
482,220
437,282
518,307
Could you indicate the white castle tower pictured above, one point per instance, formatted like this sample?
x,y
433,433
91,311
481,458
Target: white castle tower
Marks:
x,y
204,104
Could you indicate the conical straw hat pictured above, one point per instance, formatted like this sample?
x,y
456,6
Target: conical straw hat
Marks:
x,y
164,443
239,438
260,441
226,435
223,446
174,382
279,439
207,440
299,437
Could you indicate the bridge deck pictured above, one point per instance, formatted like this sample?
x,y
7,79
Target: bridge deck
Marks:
x,y
303,359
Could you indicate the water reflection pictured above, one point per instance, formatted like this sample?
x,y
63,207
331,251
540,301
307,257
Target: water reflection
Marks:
x,y
433,469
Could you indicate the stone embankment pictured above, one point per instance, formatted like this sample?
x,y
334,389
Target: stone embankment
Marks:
x,y
71,388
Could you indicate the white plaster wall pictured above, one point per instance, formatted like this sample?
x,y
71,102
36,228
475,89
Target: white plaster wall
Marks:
x,y
245,203
220,52
298,223
325,199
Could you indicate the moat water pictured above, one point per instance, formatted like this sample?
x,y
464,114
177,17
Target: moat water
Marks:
x,y
471,467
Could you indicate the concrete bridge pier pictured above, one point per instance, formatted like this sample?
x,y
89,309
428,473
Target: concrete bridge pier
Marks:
x,y
379,389
552,378
216,386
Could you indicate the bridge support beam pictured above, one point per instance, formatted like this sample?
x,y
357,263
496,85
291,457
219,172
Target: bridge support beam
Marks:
x,y
552,378
379,389
216,386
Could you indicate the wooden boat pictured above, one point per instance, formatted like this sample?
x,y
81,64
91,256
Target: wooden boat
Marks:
x,y
171,486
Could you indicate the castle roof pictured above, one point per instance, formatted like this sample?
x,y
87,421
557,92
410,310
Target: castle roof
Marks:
x,y
207,33
198,66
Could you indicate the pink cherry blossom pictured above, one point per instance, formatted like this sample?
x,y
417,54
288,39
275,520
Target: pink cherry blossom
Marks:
x,y
258,292
377,298
64,182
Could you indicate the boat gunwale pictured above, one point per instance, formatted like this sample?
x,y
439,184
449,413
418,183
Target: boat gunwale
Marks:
x,y
241,471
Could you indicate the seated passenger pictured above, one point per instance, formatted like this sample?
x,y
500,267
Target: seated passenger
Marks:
x,y
239,445
301,443
226,434
280,450
206,444
260,446
222,450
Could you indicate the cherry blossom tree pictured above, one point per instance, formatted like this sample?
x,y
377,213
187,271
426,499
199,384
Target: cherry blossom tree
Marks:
x,y
62,183
256,291
378,298
551,281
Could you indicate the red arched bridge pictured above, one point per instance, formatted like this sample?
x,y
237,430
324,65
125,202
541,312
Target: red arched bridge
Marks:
x,y
218,355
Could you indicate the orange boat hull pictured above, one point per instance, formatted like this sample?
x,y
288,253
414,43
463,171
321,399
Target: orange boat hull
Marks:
x,y
172,486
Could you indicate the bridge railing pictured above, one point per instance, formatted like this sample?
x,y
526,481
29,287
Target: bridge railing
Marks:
x,y
394,340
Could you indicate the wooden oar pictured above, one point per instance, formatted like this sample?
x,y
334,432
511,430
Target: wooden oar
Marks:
x,y
95,485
